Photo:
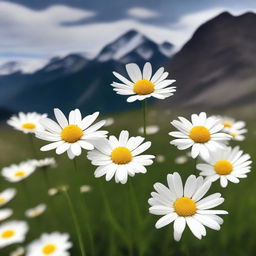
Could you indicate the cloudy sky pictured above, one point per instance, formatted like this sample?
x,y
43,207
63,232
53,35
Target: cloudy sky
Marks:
x,y
39,29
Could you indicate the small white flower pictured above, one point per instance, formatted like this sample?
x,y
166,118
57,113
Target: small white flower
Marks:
x,y
160,158
232,127
18,172
71,135
7,195
5,214
150,129
36,211
85,188
227,165
52,191
143,85
27,122
109,121
18,252
186,205
54,244
120,157
181,159
46,162
12,232
202,134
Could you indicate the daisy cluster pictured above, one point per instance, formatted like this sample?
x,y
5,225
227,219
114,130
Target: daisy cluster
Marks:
x,y
118,158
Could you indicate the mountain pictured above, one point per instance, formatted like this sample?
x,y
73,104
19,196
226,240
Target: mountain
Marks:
x,y
216,68
75,81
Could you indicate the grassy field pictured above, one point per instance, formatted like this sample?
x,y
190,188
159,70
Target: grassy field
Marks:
x,y
125,235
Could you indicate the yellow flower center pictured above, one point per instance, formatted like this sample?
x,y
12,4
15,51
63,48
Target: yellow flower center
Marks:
x,y
184,206
29,126
8,234
2,200
49,249
121,155
223,167
226,124
71,133
143,87
20,174
200,134
233,134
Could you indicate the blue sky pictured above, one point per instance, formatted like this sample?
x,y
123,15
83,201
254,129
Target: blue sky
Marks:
x,y
45,28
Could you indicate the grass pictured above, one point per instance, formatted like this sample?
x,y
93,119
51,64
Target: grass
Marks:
x,y
114,218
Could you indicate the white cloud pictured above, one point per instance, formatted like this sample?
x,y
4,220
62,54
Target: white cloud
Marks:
x,y
27,31
142,13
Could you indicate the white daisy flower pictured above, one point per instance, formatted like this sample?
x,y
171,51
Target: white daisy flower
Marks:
x,y
18,252
150,129
18,172
227,165
54,244
109,121
160,158
52,191
202,134
46,162
142,84
120,157
7,195
186,205
85,188
5,214
27,122
36,211
71,135
181,159
12,232
234,128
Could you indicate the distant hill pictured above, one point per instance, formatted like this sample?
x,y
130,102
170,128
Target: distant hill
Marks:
x,y
74,81
216,68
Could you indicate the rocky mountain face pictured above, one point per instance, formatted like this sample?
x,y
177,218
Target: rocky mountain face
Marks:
x,y
216,68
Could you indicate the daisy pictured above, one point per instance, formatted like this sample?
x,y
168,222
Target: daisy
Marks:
x,y
160,158
120,157
37,211
234,128
12,232
228,164
46,162
85,188
150,129
27,122
71,135
54,244
181,159
7,195
143,85
52,191
18,252
186,205
18,172
5,214
202,134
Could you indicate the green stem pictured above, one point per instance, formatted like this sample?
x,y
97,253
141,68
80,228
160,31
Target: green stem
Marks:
x,y
109,214
135,203
144,107
32,145
75,221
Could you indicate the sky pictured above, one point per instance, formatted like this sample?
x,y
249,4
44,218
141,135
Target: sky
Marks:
x,y
41,29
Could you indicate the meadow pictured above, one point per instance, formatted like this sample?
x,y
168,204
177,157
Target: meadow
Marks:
x,y
114,218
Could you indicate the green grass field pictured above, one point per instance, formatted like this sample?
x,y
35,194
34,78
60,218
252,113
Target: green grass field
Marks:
x,y
126,235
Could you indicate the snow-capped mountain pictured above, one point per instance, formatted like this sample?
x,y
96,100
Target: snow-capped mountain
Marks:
x,y
77,81
25,66
132,43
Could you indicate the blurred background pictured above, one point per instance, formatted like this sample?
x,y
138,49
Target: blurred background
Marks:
x,y
62,54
